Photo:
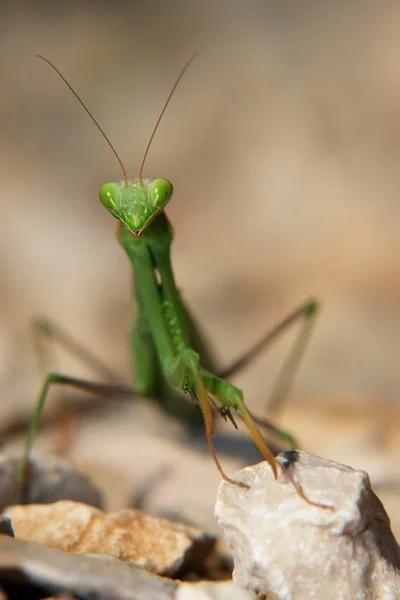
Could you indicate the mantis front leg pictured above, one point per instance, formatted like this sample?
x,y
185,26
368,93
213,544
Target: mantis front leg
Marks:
x,y
184,373
228,396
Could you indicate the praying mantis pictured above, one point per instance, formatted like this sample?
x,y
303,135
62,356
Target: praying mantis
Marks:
x,y
167,346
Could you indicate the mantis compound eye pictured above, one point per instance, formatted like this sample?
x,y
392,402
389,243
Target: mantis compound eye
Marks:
x,y
110,195
160,192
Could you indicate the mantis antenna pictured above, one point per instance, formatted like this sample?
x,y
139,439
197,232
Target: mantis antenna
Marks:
x,y
103,133
81,102
164,108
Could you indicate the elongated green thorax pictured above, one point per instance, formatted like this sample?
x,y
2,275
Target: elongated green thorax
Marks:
x,y
155,287
136,203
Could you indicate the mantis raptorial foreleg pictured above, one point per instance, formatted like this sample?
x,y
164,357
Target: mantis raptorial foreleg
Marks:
x,y
226,397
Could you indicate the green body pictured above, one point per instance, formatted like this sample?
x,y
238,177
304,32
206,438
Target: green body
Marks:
x,y
172,316
169,353
164,338
163,334
166,344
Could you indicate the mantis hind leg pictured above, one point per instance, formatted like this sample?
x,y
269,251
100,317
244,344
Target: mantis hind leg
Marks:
x,y
306,313
99,389
45,329
148,378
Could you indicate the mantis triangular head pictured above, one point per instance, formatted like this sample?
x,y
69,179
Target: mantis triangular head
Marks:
x,y
136,203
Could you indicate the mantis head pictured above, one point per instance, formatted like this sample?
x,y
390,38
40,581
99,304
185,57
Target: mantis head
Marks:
x,y
136,203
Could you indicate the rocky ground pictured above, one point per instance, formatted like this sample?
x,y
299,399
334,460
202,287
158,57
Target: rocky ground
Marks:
x,y
282,144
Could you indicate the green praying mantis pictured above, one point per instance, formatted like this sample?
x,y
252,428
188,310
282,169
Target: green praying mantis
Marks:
x,y
167,346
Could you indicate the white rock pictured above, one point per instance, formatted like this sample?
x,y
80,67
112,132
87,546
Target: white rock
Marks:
x,y
285,547
209,590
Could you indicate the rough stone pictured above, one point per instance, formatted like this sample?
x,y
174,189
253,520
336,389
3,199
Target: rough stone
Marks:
x,y
158,545
35,568
285,547
31,567
49,479
207,590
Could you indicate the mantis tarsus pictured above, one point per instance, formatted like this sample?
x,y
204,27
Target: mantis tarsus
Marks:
x,y
166,344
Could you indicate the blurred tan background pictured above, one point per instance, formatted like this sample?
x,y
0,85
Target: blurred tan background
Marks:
x,y
283,145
